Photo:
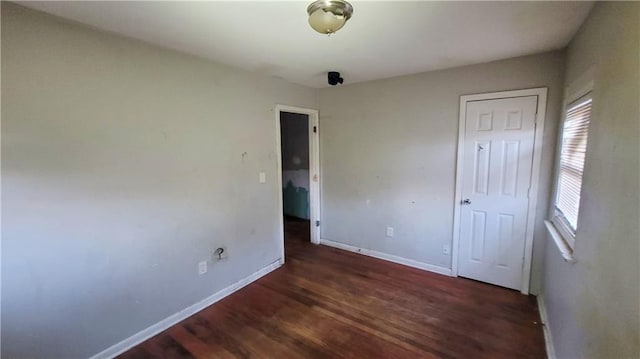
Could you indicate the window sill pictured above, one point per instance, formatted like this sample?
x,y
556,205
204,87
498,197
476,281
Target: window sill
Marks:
x,y
563,247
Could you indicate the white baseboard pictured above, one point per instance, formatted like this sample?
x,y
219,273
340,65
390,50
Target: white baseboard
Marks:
x,y
164,324
387,257
548,339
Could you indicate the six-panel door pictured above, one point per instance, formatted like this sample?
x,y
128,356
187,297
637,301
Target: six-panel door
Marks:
x,y
497,161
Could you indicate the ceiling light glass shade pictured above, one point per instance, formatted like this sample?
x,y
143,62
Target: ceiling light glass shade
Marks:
x,y
329,16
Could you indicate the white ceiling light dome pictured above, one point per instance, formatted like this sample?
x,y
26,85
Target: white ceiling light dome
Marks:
x,y
329,16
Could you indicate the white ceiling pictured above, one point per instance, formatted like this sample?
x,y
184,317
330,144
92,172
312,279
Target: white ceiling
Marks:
x,y
382,39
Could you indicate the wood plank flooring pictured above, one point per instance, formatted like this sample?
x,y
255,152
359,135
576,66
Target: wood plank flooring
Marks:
x,y
328,303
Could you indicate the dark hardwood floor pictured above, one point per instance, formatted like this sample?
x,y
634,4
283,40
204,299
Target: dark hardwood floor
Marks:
x,y
328,303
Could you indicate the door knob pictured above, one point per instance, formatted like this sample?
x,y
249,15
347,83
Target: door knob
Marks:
x,y
466,201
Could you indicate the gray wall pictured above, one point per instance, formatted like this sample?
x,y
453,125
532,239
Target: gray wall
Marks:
x,y
122,167
593,305
388,154
295,140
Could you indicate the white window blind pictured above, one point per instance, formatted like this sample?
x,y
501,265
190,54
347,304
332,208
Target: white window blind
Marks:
x,y
572,154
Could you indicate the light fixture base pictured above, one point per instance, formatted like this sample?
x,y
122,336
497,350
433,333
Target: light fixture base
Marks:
x,y
329,16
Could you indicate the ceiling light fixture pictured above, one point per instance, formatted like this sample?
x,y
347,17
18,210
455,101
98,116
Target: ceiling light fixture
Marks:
x,y
329,16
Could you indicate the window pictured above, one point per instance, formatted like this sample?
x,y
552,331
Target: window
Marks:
x,y
573,147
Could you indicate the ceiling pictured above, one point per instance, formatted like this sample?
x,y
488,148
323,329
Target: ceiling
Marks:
x,y
383,38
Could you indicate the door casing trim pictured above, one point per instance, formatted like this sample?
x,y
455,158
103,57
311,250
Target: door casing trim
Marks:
x,y
541,93
314,171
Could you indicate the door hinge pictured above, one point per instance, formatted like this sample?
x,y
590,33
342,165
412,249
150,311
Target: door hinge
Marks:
x,y
315,129
317,223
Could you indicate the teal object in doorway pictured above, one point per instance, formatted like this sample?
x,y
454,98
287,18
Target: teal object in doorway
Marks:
x,y
295,201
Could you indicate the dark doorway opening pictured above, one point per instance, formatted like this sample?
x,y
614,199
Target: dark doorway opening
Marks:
x,y
294,132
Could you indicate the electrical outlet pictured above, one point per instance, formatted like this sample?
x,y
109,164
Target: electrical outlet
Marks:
x,y
263,177
389,232
445,249
202,267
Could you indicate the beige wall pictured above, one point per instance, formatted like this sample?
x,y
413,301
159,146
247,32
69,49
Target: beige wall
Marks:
x,y
122,168
388,154
594,304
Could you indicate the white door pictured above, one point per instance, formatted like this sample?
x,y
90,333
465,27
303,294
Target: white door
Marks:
x,y
496,176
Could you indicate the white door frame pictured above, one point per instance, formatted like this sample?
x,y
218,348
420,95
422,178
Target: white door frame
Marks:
x,y
314,170
535,174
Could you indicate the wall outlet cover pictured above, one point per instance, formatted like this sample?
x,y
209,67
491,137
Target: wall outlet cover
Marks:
x,y
202,267
389,231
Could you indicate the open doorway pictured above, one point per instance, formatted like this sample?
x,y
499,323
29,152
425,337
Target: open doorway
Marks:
x,y
298,176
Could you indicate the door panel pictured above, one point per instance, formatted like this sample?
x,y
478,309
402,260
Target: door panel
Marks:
x,y
496,176
481,164
478,231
